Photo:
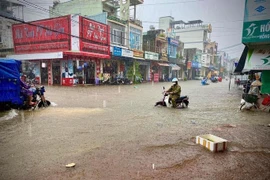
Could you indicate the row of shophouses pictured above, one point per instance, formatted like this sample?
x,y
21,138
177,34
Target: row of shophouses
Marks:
x,y
76,49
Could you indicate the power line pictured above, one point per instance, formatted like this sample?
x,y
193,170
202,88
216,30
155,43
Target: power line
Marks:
x,y
170,3
231,46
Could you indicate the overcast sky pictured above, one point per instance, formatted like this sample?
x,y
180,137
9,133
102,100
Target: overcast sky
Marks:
x,y
226,17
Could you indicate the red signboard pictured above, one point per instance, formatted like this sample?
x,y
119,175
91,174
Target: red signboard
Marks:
x,y
28,48
90,47
42,32
189,65
94,31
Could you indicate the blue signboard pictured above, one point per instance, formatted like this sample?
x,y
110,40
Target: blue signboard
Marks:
x,y
117,51
172,41
196,64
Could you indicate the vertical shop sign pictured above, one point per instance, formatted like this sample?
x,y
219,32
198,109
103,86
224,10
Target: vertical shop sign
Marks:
x,y
189,65
49,73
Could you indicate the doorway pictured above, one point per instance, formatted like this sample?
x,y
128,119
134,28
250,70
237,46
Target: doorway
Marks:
x,y
89,72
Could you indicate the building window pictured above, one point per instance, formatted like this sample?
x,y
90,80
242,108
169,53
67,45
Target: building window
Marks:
x,y
172,51
135,38
118,37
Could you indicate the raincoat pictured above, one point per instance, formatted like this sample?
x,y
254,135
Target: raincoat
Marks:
x,y
175,89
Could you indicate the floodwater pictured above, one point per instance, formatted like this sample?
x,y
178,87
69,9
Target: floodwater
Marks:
x,y
115,132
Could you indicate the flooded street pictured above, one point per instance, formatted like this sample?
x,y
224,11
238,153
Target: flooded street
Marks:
x,y
115,132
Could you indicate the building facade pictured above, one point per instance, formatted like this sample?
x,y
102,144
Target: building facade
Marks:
x,y
9,10
68,51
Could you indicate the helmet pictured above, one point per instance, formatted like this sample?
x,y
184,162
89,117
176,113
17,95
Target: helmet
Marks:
x,y
174,80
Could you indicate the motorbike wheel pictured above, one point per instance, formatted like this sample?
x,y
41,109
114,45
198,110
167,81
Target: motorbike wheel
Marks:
x,y
41,104
186,103
242,106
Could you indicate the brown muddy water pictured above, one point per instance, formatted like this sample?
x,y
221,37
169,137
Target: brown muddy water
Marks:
x,y
115,132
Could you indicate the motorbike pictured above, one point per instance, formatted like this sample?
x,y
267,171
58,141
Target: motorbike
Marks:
x,y
214,79
248,101
38,98
181,102
204,82
246,87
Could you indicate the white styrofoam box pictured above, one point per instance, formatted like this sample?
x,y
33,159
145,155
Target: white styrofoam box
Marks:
x,y
212,142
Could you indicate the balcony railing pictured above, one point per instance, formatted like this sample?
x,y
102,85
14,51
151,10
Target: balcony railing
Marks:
x,y
113,18
136,21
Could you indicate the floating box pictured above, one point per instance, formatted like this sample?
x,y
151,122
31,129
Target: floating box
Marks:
x,y
212,142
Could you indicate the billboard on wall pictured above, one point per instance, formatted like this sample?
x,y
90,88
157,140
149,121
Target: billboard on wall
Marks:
x,y
257,60
95,36
256,27
42,36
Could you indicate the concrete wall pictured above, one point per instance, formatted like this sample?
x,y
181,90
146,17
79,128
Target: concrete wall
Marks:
x,y
84,7
192,39
164,22
6,33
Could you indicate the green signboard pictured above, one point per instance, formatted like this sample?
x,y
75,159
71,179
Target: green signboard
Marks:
x,y
256,31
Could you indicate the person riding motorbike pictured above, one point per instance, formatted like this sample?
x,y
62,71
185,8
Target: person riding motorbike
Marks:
x,y
174,91
26,91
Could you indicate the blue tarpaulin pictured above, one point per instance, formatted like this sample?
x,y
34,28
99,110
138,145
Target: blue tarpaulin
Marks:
x,y
10,81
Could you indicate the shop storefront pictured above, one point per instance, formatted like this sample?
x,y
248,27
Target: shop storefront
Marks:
x,y
144,65
68,51
196,69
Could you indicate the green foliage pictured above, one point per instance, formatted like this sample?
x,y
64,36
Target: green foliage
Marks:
x,y
162,35
134,77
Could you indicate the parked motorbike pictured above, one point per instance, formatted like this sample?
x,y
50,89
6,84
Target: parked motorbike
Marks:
x,y
214,79
248,101
181,102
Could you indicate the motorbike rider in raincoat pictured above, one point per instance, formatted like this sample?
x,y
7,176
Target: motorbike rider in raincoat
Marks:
x,y
174,91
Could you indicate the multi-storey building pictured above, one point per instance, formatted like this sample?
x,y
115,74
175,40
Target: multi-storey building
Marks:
x,y
126,33
9,10
194,35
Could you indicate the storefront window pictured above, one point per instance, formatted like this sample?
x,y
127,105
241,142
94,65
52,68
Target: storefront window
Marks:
x,y
110,67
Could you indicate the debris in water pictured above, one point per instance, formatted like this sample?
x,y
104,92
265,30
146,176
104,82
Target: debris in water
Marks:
x,y
230,126
153,166
193,122
70,165
268,125
135,87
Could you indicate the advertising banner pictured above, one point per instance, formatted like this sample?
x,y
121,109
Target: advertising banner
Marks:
x,y
117,51
189,65
127,53
257,10
42,36
91,47
94,31
137,53
256,27
151,55
256,31
56,29
257,60
173,42
31,48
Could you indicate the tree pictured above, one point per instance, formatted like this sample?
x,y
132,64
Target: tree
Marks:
x,y
134,73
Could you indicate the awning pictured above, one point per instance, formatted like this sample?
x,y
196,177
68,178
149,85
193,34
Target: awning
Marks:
x,y
36,56
87,54
175,67
163,64
138,58
241,62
